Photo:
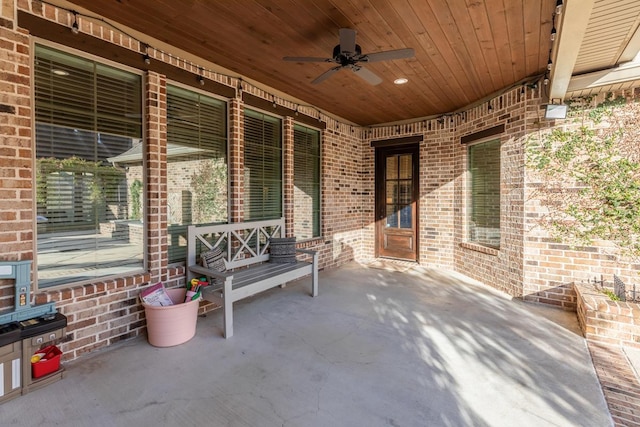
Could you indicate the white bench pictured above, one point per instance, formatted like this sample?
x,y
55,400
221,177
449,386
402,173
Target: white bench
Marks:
x,y
245,247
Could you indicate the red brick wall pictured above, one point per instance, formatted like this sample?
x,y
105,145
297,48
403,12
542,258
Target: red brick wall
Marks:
x,y
550,266
607,321
155,107
501,269
236,160
343,204
287,184
443,191
438,157
16,152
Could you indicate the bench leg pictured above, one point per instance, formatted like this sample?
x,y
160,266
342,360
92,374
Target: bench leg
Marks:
x,y
227,307
314,276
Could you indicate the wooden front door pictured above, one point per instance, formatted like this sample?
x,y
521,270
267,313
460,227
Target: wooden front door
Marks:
x,y
397,202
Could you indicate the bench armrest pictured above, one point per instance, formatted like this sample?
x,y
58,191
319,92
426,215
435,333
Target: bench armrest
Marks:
x,y
306,251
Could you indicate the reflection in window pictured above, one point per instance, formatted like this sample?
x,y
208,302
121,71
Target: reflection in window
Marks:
x,y
88,225
196,164
262,166
306,182
484,172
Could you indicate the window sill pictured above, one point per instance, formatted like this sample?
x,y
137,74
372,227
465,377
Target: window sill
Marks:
x,y
479,248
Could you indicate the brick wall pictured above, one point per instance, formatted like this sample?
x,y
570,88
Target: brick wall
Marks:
x,y
236,160
551,266
438,157
443,190
155,150
16,152
607,321
529,264
501,269
342,201
287,184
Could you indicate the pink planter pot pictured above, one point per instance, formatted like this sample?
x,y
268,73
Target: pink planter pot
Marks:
x,y
174,324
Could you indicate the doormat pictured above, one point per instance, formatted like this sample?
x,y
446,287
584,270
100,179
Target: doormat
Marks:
x,y
391,265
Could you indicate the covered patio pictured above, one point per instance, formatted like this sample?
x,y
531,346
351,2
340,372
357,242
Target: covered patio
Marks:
x,y
388,344
126,122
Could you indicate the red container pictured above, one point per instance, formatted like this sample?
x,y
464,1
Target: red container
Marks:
x,y
50,362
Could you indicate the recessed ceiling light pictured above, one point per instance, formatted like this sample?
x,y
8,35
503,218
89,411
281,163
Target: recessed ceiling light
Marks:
x,y
60,72
400,81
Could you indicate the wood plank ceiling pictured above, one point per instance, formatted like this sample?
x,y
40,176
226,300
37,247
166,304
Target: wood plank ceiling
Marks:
x,y
465,49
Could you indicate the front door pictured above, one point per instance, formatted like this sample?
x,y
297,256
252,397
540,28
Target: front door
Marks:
x,y
397,202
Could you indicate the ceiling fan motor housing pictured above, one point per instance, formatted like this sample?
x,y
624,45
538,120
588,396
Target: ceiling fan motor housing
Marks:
x,y
346,59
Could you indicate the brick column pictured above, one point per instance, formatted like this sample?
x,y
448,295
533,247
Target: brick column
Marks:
x,y
236,160
16,145
16,148
287,149
156,160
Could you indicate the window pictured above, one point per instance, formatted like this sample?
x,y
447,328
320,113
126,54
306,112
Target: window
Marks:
x,y
306,181
88,214
196,164
484,171
262,166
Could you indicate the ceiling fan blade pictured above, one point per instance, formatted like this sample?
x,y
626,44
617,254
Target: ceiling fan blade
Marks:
x,y
324,76
367,75
388,55
305,59
348,41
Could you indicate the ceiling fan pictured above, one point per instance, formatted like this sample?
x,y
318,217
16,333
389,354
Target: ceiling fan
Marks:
x,y
349,55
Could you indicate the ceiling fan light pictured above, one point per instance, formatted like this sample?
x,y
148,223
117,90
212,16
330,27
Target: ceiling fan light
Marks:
x,y
400,81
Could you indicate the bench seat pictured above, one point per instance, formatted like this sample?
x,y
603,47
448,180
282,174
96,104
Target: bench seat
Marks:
x,y
258,278
251,272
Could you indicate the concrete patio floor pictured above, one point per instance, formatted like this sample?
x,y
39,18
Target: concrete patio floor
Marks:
x,y
376,348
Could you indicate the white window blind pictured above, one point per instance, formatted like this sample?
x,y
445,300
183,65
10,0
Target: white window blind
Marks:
x,y
306,181
196,164
86,114
262,166
484,168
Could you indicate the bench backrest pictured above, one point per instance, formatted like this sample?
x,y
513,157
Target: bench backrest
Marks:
x,y
242,243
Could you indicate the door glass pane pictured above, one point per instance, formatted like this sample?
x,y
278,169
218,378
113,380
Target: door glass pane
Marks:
x,y
392,191
405,166
392,167
405,217
392,216
404,195
399,191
